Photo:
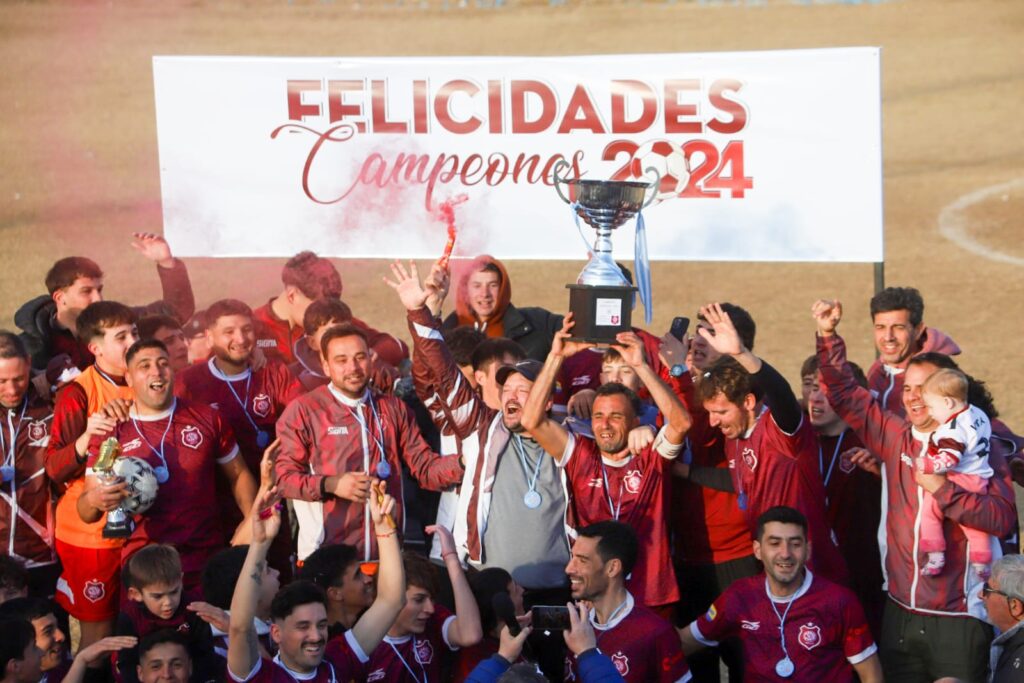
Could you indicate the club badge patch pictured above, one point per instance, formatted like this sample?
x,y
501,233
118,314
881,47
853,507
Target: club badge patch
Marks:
x,y
94,590
424,651
809,636
191,437
261,405
632,481
621,663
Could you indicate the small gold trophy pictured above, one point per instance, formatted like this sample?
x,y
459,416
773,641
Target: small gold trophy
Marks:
x,y
119,523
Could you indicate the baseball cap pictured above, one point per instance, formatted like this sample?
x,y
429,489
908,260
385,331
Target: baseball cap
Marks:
x,y
529,368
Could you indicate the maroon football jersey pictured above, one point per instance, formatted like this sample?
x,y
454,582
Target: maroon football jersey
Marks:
x,y
826,632
643,647
770,467
194,438
637,495
413,659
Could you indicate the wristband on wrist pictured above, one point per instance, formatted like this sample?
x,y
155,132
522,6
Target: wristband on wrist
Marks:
x,y
450,552
324,493
390,533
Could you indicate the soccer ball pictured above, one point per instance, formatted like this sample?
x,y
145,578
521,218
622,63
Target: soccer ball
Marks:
x,y
142,484
666,158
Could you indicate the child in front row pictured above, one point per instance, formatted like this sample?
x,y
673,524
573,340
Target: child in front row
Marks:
x,y
153,578
958,448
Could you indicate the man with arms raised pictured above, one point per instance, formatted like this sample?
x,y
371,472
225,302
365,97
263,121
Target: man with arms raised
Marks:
x,y
49,321
185,442
772,450
250,399
336,438
897,314
794,625
509,484
642,646
612,476
25,500
90,581
299,612
932,626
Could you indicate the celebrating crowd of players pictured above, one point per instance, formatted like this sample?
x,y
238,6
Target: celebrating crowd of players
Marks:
x,y
333,505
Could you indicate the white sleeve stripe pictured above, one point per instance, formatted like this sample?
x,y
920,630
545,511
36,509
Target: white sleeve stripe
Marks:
x,y
858,658
255,670
699,637
687,677
357,649
570,446
427,332
229,457
444,633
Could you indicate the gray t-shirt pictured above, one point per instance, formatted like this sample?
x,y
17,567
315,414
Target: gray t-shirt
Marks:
x,y
528,543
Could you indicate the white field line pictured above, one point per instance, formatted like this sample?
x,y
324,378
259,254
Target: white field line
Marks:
x,y
953,223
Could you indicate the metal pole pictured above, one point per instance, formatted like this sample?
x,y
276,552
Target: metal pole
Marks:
x,y
879,276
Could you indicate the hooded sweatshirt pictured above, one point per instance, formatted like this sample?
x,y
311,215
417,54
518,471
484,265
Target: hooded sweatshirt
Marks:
x,y
886,381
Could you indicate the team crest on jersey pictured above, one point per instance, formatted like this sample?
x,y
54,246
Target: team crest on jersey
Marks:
x,y
261,405
38,435
809,636
94,590
131,445
632,481
750,625
621,663
846,464
750,458
191,437
424,651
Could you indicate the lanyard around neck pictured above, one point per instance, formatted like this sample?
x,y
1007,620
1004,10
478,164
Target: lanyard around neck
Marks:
x,y
406,664
821,459
614,509
531,477
10,448
163,439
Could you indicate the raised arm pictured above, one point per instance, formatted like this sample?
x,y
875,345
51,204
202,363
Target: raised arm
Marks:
x,y
677,419
551,436
243,644
373,625
465,630
176,289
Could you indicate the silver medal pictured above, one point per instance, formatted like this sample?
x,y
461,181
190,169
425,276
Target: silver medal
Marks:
x,y
784,667
383,469
531,499
162,475
262,439
7,473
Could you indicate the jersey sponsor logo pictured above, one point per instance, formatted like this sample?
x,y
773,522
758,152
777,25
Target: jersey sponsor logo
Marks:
x,y
750,625
336,431
809,636
192,437
581,380
595,483
424,651
38,434
712,613
750,458
375,675
621,663
632,481
907,460
131,445
215,406
266,343
94,590
261,405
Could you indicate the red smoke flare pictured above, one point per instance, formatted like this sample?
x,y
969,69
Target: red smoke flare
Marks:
x,y
446,212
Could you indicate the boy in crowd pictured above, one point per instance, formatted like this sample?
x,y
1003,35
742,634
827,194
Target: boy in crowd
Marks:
x,y
49,322
793,624
50,640
155,602
347,583
414,647
299,611
90,582
168,331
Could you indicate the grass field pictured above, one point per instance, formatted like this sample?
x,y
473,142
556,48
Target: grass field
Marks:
x,y
78,144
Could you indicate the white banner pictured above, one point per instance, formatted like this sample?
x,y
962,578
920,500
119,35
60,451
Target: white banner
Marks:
x,y
767,156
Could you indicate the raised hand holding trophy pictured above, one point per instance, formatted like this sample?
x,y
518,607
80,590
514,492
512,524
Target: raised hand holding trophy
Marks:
x,y
602,299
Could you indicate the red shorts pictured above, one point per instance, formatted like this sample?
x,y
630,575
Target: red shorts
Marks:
x,y
89,586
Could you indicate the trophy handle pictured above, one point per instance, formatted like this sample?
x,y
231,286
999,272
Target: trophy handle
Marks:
x,y
557,180
657,184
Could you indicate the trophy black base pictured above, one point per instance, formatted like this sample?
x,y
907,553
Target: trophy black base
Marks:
x,y
600,312
120,530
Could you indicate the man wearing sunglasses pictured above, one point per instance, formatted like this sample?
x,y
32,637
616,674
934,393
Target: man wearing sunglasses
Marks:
x,y
1003,595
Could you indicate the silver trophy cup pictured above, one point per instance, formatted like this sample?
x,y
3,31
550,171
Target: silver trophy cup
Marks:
x,y
601,301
